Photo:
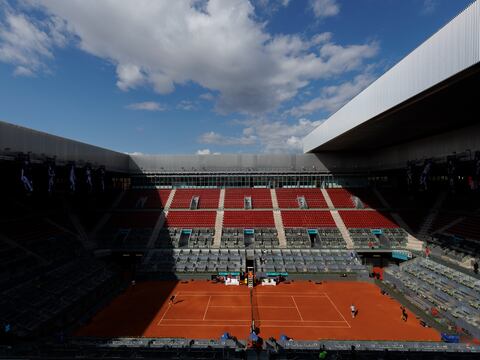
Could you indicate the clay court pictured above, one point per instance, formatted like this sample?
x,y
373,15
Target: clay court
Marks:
x,y
302,310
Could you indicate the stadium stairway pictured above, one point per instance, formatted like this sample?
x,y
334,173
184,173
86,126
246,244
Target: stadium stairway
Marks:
x,y
170,199
343,229
81,233
327,199
277,217
221,201
450,224
103,221
282,239
413,243
432,215
273,193
15,244
338,220
156,229
219,225
217,239
381,198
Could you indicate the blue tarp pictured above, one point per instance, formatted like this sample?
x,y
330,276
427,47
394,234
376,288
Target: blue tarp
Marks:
x,y
450,338
253,336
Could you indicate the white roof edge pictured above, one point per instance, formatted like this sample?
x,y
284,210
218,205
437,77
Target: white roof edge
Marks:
x,y
456,45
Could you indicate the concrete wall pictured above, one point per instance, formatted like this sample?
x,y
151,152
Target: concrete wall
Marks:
x,y
17,139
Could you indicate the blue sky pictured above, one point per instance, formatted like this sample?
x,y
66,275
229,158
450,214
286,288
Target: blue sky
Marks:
x,y
199,76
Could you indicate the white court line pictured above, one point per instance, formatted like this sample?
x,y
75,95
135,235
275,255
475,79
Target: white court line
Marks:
x,y
202,325
259,295
333,304
206,309
269,320
198,293
305,321
197,320
165,313
248,306
306,326
263,326
301,318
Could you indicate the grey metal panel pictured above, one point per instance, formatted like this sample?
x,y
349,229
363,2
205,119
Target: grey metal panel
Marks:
x,y
18,139
226,162
452,49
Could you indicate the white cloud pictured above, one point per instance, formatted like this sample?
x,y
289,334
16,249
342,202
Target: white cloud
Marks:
x,y
203,152
270,136
272,4
206,152
334,97
27,44
325,8
147,106
187,105
280,136
207,96
215,138
429,6
134,153
218,44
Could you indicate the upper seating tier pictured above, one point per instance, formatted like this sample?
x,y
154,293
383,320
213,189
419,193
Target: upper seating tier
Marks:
x,y
134,220
208,198
246,219
234,198
144,199
193,219
341,198
314,218
288,198
357,219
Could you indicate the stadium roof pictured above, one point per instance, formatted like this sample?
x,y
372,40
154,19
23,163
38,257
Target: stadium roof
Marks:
x,y
432,90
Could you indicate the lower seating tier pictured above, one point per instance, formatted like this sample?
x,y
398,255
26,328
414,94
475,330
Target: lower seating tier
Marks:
x,y
455,295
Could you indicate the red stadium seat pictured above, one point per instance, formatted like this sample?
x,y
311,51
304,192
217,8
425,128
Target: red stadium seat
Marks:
x,y
287,198
366,219
246,218
304,219
341,198
193,219
234,198
208,198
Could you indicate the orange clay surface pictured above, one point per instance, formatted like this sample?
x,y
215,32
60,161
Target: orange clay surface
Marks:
x,y
302,310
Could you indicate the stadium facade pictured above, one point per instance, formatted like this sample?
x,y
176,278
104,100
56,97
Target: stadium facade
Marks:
x,y
388,187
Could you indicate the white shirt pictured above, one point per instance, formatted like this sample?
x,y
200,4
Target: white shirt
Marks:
x,y
352,308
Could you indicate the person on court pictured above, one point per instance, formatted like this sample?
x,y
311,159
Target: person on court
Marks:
x,y
172,299
353,310
404,314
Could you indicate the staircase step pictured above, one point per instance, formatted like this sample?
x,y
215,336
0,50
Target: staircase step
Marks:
x,y
170,199
218,229
282,239
343,229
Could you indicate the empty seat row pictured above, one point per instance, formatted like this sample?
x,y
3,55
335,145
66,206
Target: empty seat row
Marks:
x,y
248,219
235,198
368,219
191,219
144,199
207,198
306,219
289,198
